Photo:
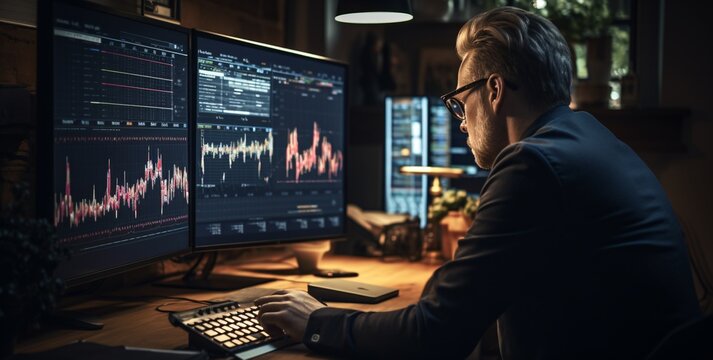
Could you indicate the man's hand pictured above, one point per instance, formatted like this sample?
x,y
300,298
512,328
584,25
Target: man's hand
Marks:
x,y
288,311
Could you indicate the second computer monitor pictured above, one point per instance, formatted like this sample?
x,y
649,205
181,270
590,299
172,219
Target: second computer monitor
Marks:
x,y
113,135
406,145
269,144
421,132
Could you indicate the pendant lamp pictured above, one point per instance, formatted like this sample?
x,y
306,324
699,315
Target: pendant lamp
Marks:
x,y
373,11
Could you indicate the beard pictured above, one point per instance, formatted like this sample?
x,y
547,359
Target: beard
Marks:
x,y
490,137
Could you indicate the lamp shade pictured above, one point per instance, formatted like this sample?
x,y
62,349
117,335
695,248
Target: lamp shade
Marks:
x,y
432,171
436,172
373,11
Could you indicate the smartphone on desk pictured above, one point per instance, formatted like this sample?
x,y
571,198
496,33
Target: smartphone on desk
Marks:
x,y
334,273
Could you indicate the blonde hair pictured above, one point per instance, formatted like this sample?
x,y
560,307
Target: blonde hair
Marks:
x,y
525,48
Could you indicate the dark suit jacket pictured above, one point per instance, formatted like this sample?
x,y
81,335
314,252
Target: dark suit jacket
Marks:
x,y
575,251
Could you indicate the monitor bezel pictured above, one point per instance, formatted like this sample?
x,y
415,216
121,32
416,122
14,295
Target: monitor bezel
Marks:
x,y
45,124
195,33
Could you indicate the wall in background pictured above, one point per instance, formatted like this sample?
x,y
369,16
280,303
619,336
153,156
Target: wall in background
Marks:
x,y
308,25
18,55
258,20
686,82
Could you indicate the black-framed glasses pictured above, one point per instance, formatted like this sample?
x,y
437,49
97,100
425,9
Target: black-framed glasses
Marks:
x,y
456,106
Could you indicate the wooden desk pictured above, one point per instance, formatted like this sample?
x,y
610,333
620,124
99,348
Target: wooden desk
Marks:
x,y
130,317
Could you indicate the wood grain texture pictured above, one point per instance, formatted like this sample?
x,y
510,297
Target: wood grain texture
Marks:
x,y
130,317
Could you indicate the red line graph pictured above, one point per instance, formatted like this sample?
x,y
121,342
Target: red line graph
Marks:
x,y
306,161
118,196
137,58
136,87
236,150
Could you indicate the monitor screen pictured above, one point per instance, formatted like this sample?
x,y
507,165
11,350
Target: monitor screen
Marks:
x,y
439,134
447,144
420,131
269,148
406,145
119,89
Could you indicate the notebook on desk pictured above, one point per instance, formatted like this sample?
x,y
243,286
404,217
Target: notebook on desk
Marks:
x,y
350,291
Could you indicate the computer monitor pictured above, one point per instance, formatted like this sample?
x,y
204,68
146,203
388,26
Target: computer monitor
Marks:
x,y
113,102
420,131
406,121
448,147
269,144
447,144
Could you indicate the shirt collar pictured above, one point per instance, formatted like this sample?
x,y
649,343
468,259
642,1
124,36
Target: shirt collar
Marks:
x,y
549,115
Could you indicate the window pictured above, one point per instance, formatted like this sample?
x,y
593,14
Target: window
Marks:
x,y
579,20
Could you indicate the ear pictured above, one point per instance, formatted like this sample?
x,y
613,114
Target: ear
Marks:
x,y
496,92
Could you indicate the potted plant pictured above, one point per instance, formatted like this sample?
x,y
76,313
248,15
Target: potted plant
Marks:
x,y
29,254
586,22
454,212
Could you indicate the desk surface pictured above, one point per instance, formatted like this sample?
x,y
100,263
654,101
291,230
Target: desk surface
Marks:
x,y
130,316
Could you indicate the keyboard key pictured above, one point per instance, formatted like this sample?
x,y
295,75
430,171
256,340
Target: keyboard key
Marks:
x,y
244,317
242,325
200,328
229,320
208,326
211,333
219,330
229,344
239,333
232,335
235,326
259,327
265,333
238,342
227,328
252,338
221,338
252,329
222,322
250,315
215,323
244,339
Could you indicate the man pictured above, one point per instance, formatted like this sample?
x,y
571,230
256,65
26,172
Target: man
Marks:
x,y
575,250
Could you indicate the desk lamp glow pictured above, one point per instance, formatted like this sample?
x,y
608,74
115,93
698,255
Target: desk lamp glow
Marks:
x,y
433,256
436,172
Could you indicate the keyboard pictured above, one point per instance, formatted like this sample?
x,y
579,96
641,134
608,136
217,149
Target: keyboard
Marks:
x,y
228,328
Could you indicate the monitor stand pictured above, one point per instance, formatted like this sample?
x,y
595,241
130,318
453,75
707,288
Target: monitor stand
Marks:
x,y
219,282
309,255
206,280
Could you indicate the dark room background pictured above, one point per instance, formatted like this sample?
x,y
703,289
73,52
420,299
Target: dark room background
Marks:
x,y
672,126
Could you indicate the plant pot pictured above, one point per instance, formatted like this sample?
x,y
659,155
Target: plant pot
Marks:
x,y
589,95
599,60
453,227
